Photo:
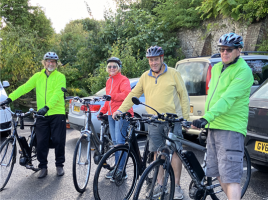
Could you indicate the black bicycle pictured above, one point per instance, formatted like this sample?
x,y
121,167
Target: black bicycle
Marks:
x,y
201,186
8,150
82,152
125,173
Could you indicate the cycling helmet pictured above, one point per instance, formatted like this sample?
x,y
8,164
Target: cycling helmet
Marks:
x,y
231,40
115,59
154,51
51,55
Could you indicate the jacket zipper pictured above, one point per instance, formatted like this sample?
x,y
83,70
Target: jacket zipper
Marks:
x,y
213,94
110,94
46,94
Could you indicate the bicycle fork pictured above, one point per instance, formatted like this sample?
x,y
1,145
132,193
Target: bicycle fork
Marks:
x,y
80,148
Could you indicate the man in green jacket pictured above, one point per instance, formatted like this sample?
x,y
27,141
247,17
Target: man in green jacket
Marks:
x,y
50,103
226,115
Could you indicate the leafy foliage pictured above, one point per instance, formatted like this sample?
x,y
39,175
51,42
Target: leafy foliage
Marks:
x,y
251,10
20,55
174,14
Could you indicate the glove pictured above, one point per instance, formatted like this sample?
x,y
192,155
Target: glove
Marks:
x,y
107,97
7,101
43,111
99,115
200,123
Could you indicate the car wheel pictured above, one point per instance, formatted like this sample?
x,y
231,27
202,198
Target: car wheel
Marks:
x,y
260,168
5,133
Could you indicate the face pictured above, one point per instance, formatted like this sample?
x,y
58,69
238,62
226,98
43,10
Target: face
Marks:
x,y
51,65
155,63
112,68
228,57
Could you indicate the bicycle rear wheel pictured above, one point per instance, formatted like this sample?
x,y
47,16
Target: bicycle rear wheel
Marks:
x,y
122,185
7,161
148,188
81,164
218,192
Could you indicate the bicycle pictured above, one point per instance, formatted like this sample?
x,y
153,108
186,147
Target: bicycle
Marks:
x,y
82,153
8,149
201,186
130,161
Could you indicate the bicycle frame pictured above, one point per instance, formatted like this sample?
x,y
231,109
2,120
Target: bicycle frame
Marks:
x,y
132,145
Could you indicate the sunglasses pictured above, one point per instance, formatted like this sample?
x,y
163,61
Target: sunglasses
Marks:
x,y
114,67
228,50
51,61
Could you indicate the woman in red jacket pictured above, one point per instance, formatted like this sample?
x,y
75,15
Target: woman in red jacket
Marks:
x,y
118,87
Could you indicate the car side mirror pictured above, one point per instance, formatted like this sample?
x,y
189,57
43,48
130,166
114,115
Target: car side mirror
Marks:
x,y
6,84
136,101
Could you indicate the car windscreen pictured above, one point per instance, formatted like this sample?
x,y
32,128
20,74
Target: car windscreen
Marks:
x,y
259,69
101,92
192,75
262,92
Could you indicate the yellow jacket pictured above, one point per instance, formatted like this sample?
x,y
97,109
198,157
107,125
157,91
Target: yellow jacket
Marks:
x,y
166,93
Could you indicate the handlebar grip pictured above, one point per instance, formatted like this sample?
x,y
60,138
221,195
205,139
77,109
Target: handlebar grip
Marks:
x,y
147,115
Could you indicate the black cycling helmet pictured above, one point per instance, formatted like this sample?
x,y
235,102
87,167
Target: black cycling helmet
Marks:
x,y
116,60
51,56
231,40
154,51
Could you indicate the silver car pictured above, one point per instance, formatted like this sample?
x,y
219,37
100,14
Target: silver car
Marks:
x,y
77,116
5,116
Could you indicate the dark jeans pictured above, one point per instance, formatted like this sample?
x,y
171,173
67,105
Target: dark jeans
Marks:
x,y
53,126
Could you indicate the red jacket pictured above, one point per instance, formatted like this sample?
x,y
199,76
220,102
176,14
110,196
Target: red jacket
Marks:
x,y
117,87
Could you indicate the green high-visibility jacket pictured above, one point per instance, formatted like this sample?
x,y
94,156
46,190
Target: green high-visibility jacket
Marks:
x,y
228,97
48,91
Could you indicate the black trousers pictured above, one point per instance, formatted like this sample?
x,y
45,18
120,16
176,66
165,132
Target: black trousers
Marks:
x,y
53,126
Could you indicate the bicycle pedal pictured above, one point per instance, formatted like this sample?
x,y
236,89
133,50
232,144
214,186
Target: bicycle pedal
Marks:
x,y
92,149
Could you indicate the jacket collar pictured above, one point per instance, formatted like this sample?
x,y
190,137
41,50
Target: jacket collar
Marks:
x,y
165,70
115,76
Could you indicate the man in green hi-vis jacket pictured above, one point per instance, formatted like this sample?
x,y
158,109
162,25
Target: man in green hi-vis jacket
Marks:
x,y
226,115
50,104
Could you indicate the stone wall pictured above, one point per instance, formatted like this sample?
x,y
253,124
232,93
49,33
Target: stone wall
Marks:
x,y
202,41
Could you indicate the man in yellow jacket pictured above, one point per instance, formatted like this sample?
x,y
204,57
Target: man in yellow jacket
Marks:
x,y
50,103
165,91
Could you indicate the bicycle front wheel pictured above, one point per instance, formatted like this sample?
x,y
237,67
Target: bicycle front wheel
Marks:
x,y
33,164
218,192
148,187
7,161
81,164
119,184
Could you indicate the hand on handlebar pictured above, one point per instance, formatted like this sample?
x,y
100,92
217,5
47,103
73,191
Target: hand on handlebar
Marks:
x,y
199,123
116,113
99,115
7,101
107,97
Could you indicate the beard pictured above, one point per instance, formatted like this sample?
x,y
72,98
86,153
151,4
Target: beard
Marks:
x,y
51,68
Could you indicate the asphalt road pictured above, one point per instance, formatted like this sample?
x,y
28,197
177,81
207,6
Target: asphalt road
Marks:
x,y
24,184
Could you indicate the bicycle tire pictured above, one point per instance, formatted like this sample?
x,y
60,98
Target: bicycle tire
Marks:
x,y
7,153
81,164
121,188
149,177
244,181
